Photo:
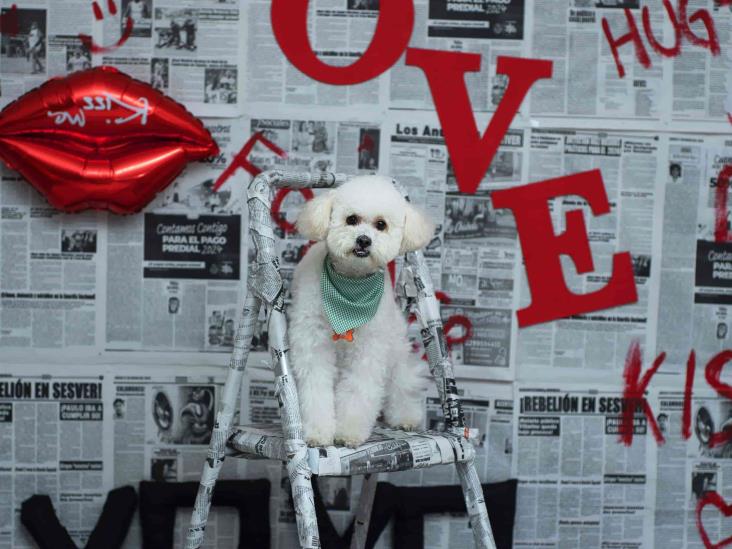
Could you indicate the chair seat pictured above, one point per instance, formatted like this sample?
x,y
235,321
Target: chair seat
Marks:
x,y
386,450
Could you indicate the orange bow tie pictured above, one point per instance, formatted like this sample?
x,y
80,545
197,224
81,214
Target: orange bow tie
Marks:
x,y
348,336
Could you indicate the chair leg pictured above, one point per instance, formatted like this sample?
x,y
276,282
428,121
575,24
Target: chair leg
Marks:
x,y
303,500
475,503
222,426
363,512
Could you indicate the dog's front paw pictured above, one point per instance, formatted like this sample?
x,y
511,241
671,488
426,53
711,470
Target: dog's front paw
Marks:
x,y
352,434
406,426
407,416
349,442
318,436
318,442
353,430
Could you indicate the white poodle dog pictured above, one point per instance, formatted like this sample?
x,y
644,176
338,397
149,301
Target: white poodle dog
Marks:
x,y
350,354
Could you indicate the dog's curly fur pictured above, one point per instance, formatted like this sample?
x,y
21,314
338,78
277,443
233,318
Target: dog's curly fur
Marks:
x,y
342,386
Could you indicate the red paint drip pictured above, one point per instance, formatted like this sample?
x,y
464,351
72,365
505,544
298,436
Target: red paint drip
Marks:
x,y
688,387
112,7
721,232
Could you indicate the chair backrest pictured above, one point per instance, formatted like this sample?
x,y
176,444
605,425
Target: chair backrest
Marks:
x,y
414,290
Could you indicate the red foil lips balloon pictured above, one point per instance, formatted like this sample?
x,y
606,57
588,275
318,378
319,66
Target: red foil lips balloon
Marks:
x,y
100,139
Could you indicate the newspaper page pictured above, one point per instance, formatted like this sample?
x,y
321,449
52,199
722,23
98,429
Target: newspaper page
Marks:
x,y
689,470
695,286
162,426
491,28
631,171
192,51
51,428
47,43
585,83
339,30
175,272
51,266
578,485
701,97
473,255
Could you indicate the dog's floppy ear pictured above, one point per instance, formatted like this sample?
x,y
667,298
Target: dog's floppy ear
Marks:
x,y
314,218
418,230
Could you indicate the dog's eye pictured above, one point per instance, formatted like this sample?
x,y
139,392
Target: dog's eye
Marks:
x,y
380,225
352,220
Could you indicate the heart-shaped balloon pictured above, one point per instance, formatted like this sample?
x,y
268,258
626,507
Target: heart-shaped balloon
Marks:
x,y
712,498
100,139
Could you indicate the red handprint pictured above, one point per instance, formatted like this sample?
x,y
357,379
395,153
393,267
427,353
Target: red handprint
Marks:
x,y
88,41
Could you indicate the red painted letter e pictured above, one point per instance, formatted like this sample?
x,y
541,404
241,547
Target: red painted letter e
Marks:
x,y
551,299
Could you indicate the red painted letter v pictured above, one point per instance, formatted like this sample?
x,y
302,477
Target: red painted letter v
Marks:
x,y
470,153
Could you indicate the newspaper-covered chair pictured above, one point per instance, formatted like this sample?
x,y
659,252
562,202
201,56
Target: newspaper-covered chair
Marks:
x,y
387,449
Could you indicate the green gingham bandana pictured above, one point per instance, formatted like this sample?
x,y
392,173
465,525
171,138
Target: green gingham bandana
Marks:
x,y
349,302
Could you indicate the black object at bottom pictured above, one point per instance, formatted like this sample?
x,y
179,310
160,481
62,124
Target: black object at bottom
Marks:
x,y
408,505
159,500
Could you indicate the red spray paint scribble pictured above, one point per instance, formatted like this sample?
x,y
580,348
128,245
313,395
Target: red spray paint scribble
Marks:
x,y
88,41
241,160
9,21
453,322
713,374
688,388
280,219
636,386
714,499
632,36
659,48
634,393
711,42
721,231
458,321
681,23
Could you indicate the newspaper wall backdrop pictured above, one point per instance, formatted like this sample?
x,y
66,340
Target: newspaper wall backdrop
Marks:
x,y
143,308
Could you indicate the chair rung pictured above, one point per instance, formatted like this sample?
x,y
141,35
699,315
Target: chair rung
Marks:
x,y
387,450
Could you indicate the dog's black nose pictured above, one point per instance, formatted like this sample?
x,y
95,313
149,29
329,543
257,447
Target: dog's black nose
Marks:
x,y
363,241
